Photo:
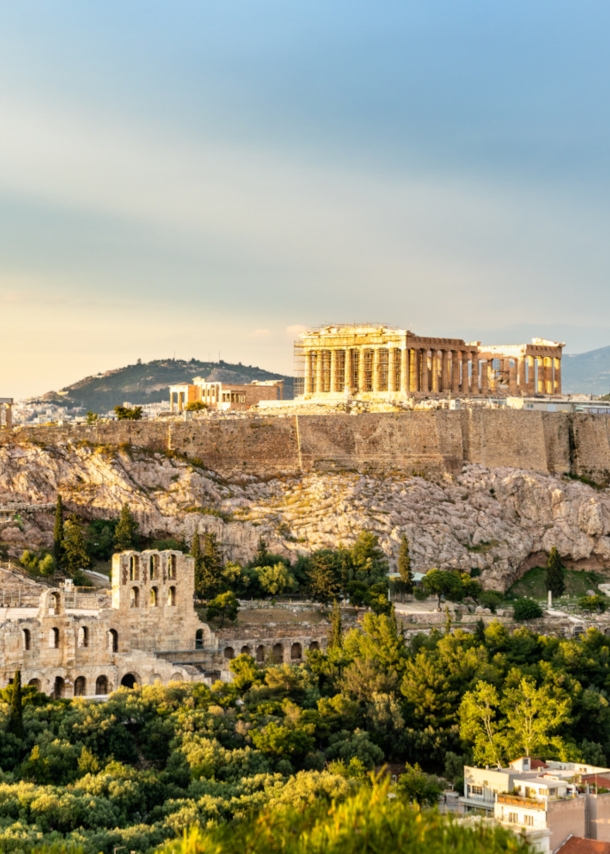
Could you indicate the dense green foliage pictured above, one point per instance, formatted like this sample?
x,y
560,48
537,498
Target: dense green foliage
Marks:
x,y
58,531
555,574
126,413
365,822
151,762
126,532
526,609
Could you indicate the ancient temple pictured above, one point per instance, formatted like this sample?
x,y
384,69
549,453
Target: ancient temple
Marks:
x,y
375,362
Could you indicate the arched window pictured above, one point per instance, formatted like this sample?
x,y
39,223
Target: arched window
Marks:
x,y
134,597
54,638
27,639
154,567
113,640
260,653
296,651
154,597
80,686
83,636
101,685
171,566
171,596
35,683
278,652
58,688
229,652
314,645
133,568
54,601
199,639
129,680
245,650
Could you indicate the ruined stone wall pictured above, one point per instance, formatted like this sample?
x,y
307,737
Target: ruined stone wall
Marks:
x,y
413,442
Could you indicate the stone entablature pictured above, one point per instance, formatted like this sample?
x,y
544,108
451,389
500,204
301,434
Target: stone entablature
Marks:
x,y
369,362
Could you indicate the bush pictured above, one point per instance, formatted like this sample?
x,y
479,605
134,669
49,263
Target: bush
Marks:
x,y
526,609
593,603
490,599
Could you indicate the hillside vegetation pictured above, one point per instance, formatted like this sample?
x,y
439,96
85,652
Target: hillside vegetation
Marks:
x,y
149,382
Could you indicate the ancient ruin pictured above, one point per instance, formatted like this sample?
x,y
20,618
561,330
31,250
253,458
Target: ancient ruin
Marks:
x,y
6,413
223,397
381,363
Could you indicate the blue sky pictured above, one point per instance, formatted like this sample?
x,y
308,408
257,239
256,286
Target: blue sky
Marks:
x,y
201,178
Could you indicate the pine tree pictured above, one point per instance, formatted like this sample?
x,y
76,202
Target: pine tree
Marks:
x,y
208,576
126,534
555,573
404,565
15,724
335,637
58,531
75,552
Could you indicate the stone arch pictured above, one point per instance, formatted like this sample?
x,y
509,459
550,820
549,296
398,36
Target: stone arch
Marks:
x,y
35,683
52,603
176,677
27,639
134,567
154,567
101,685
83,637
113,640
245,650
134,598
314,645
229,652
171,597
59,687
260,653
278,652
130,680
80,686
156,677
171,566
296,651
54,638
199,639
154,597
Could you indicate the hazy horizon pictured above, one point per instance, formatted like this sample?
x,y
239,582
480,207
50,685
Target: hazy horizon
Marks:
x,y
206,179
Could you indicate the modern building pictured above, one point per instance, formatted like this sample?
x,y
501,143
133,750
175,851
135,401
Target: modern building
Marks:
x,y
376,363
224,397
547,801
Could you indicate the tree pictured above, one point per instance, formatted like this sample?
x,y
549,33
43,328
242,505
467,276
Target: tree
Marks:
x,y
275,579
532,716
335,636
15,724
196,551
76,556
58,531
100,537
479,725
555,574
124,413
526,609
404,565
209,578
444,584
324,576
224,606
92,417
368,562
126,534
415,786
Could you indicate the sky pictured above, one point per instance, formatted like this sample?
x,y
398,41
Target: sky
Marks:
x,y
201,179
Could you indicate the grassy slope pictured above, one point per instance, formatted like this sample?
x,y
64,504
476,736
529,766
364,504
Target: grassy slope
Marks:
x,y
577,583
149,382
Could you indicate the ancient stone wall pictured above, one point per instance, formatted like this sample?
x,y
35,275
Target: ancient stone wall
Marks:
x,y
413,442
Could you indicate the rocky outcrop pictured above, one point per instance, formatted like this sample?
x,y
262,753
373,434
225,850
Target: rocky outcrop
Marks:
x,y
498,520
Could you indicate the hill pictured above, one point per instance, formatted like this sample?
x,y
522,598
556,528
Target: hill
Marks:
x,y
149,382
588,373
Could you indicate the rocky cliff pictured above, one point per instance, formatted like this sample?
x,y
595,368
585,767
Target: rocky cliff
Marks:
x,y
498,520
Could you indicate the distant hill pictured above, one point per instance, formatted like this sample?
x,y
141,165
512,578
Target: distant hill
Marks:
x,y
588,373
149,382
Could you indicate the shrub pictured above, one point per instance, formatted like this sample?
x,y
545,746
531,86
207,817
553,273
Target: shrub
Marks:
x,y
593,603
526,609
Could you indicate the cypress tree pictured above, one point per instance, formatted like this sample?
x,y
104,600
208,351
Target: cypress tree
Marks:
x,y
126,534
16,711
208,576
58,532
404,565
76,556
555,573
335,636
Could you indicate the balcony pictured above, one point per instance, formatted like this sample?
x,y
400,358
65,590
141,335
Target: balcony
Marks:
x,y
524,803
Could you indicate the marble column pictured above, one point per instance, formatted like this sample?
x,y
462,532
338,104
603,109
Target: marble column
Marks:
x,y
391,369
455,372
465,385
485,376
475,383
557,376
548,376
512,377
445,387
375,381
434,365
347,381
405,385
531,375
319,372
521,376
540,384
307,373
424,371
361,352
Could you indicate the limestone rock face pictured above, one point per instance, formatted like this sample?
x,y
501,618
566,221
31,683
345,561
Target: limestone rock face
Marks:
x,y
497,520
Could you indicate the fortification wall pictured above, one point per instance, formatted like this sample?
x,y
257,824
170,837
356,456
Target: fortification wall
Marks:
x,y
413,442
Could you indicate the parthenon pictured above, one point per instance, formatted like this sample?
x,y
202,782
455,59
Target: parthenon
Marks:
x,y
376,362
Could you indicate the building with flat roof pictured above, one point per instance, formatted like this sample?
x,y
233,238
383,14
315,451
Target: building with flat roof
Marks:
x,y
222,396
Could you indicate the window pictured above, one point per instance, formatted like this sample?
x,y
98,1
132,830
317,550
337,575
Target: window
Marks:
x,y
54,638
171,566
476,790
171,596
552,793
513,818
27,639
133,568
80,686
101,685
154,566
529,820
154,597
134,598
83,636
113,640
